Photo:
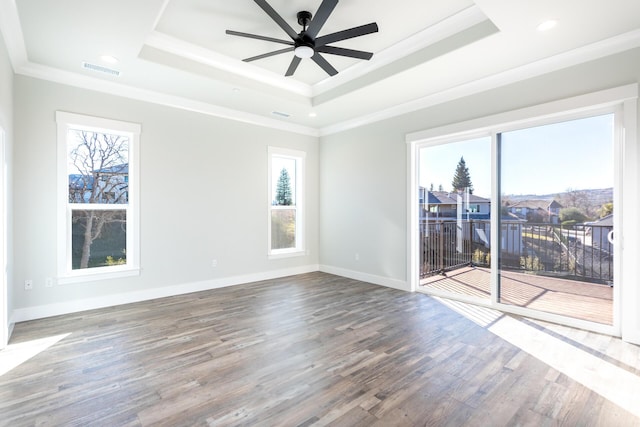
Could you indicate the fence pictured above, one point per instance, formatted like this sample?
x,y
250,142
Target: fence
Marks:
x,y
581,253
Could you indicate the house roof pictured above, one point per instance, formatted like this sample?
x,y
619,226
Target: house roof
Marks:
x,y
542,204
555,205
606,221
116,169
450,198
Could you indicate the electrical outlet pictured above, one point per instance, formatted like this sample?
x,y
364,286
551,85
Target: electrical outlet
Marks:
x,y
214,263
48,282
28,285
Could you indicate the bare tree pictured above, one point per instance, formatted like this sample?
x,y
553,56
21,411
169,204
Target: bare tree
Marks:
x,y
573,198
99,171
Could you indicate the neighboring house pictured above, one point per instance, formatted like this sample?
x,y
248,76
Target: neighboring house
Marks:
x,y
536,210
443,207
449,205
554,212
111,185
600,231
511,236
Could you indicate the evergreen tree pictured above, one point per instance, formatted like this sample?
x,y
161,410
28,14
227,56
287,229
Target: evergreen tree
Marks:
x,y
461,178
283,189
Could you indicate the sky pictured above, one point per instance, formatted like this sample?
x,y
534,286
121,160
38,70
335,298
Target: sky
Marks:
x,y
548,159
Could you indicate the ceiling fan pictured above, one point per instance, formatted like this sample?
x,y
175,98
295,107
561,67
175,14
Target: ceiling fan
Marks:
x,y
306,44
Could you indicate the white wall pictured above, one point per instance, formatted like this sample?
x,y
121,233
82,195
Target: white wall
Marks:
x,y
6,123
364,171
203,196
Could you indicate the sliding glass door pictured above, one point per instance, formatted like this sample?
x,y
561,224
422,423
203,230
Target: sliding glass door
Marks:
x,y
454,218
557,222
522,219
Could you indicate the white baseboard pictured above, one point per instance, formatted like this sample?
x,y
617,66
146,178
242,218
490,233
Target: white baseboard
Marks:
x,y
632,337
366,277
49,310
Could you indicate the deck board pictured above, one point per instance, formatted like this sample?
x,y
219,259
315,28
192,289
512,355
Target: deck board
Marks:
x,y
581,300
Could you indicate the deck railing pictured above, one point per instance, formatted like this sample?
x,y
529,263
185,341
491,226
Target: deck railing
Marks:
x,y
581,253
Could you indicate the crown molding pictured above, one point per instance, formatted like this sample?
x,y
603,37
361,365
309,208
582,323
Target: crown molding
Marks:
x,y
207,57
12,34
126,91
447,27
573,57
14,41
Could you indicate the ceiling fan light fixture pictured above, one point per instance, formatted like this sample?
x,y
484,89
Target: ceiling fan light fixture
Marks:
x,y
304,51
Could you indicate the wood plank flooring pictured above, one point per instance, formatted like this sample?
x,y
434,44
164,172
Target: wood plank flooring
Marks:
x,y
308,350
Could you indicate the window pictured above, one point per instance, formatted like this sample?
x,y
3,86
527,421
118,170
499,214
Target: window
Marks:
x,y
286,202
97,191
543,262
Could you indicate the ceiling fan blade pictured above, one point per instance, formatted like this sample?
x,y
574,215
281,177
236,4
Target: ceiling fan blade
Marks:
x,y
266,55
321,17
255,36
351,53
277,18
293,66
318,59
347,34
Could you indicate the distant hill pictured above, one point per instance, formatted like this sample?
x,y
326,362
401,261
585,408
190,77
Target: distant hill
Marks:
x,y
600,195
589,201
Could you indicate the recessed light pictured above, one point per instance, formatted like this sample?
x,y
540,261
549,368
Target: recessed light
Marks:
x,y
547,25
235,90
312,114
110,59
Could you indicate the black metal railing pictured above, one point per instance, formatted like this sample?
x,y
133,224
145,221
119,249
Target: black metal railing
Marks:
x,y
447,245
582,253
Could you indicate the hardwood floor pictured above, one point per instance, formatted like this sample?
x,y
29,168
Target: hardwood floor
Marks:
x,y
314,349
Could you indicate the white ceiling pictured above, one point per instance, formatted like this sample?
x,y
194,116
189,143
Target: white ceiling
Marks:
x,y
176,52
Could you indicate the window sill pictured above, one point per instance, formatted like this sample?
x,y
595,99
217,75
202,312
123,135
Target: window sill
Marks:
x,y
288,254
97,275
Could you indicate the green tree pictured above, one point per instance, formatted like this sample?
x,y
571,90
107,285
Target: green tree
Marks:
x,y
572,215
606,209
461,178
283,189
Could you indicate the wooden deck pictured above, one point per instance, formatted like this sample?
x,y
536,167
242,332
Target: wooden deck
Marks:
x,y
581,300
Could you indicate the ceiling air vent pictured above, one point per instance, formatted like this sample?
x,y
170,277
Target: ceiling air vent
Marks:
x,y
281,114
100,69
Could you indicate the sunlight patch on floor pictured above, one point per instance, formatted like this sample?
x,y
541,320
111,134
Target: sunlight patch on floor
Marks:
x,y
481,316
16,354
609,381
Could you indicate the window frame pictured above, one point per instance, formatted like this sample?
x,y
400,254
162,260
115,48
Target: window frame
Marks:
x,y
66,274
299,157
620,101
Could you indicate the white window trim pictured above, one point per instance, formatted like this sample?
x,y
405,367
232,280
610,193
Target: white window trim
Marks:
x,y
622,101
4,297
66,275
300,157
